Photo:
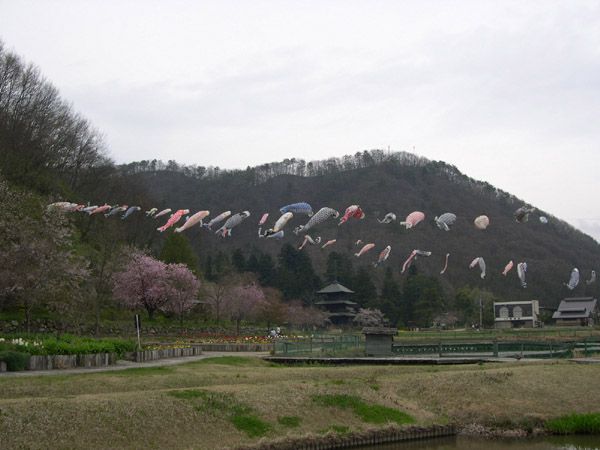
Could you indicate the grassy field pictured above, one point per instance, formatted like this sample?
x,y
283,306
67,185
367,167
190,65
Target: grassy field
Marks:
x,y
224,402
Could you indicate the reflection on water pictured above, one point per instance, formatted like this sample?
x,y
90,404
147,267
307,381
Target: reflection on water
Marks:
x,y
468,443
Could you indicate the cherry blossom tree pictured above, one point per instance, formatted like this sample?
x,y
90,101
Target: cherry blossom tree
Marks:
x,y
216,295
39,265
242,303
304,317
272,310
143,283
368,317
183,287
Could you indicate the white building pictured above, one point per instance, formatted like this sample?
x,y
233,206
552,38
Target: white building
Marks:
x,y
516,314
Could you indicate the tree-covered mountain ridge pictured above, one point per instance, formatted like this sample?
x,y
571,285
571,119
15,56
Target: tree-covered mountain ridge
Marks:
x,y
382,182
52,152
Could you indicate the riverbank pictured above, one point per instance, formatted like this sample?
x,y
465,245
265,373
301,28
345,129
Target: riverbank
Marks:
x,y
240,401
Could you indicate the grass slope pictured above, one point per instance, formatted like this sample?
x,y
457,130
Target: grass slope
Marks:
x,y
225,403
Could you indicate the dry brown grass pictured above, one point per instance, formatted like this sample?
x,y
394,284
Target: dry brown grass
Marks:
x,y
134,410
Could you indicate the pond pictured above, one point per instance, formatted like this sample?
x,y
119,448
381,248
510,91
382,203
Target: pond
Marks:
x,y
473,443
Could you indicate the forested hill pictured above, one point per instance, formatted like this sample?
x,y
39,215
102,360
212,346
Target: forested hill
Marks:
x,y
399,183
49,153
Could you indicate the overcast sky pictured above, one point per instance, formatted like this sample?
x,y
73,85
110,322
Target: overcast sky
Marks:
x,y
507,91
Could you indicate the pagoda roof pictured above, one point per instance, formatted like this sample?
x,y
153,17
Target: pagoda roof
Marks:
x,y
335,288
342,314
336,302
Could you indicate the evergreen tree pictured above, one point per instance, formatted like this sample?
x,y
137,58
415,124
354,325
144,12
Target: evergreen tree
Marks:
x,y
339,268
428,305
209,273
390,300
410,296
295,275
365,291
221,265
177,250
266,270
252,263
464,303
422,299
474,304
238,261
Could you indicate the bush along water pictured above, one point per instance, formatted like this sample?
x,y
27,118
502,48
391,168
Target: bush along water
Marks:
x,y
575,424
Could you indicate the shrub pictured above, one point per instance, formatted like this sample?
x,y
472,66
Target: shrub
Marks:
x,y
66,345
575,424
15,361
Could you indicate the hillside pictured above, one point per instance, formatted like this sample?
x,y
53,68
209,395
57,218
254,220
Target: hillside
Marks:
x,y
49,152
551,250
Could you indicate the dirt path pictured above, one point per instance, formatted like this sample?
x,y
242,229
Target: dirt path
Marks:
x,y
124,365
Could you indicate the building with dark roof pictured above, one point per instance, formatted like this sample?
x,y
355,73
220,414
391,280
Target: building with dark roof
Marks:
x,y
336,301
577,311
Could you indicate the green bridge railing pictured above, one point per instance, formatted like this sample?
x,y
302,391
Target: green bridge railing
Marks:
x,y
529,349
354,345
322,345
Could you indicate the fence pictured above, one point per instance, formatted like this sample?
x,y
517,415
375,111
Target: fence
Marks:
x,y
529,349
323,345
560,333
236,347
152,355
47,362
354,345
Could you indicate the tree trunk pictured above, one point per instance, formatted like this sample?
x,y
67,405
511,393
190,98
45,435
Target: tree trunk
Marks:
x,y
27,308
97,314
237,326
28,320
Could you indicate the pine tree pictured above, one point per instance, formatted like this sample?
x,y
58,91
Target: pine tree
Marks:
x,y
209,273
365,291
177,250
339,268
295,275
422,299
221,265
252,263
266,270
390,300
238,260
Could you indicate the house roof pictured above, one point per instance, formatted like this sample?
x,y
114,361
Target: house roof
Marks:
x,y
576,308
335,288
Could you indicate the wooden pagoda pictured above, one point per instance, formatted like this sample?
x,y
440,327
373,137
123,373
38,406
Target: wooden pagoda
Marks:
x,y
336,301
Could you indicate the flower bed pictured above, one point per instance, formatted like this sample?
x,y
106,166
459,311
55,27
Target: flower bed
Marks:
x,y
217,338
168,346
